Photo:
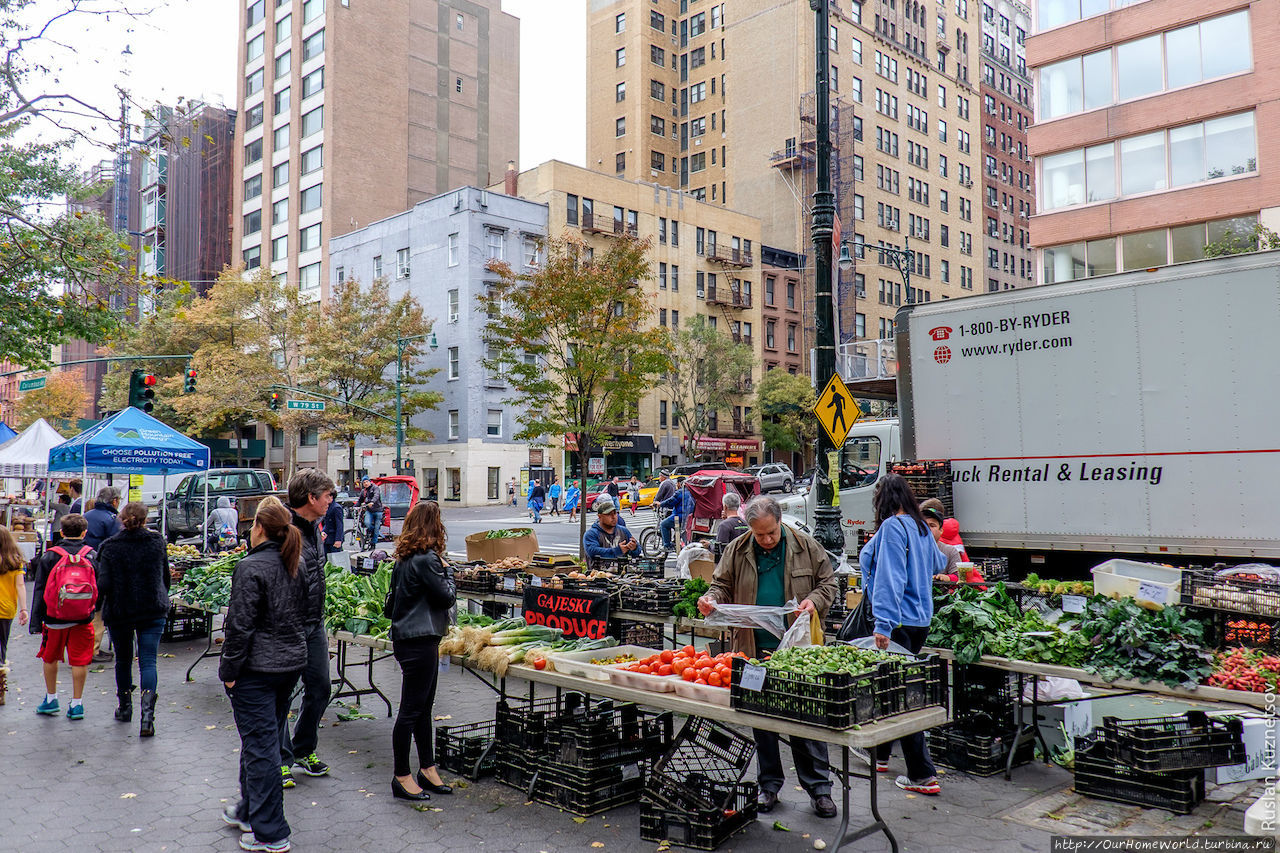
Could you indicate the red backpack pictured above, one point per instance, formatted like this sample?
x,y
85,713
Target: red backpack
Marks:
x,y
72,588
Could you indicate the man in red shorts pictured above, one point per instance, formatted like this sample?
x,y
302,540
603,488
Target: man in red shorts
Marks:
x,y
74,640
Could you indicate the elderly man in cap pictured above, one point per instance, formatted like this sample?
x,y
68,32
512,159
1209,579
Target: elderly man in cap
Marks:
x,y
608,538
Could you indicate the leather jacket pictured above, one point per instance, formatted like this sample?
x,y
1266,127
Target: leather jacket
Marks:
x,y
422,592
264,623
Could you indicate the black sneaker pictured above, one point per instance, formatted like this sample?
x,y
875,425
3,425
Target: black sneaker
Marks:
x,y
286,777
312,766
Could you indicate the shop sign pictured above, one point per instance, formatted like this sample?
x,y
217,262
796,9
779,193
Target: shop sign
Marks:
x,y
578,614
727,445
595,466
535,458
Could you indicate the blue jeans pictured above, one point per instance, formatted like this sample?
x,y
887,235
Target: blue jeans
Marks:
x,y
372,521
536,506
148,634
666,527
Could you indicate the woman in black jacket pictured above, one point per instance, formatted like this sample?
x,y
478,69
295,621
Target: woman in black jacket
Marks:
x,y
263,653
422,592
133,592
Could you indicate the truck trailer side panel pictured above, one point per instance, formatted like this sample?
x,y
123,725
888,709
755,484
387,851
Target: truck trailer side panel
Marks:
x,y
1132,412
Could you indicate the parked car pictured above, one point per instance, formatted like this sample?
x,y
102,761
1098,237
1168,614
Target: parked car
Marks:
x,y
773,476
187,506
694,467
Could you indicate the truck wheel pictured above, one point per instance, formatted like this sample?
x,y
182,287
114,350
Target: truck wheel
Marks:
x,y
786,486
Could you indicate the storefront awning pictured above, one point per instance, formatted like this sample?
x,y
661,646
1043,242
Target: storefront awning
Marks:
x,y
642,443
727,445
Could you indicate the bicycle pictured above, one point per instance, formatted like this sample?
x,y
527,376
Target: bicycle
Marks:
x,y
651,539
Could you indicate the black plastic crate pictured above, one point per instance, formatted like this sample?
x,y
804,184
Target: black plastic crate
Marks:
x,y
702,830
479,582
1098,775
362,565
928,478
512,766
1233,629
977,753
993,568
586,792
606,737
1204,589
984,696
647,634
467,749
1182,742
656,598
522,723
705,760
185,623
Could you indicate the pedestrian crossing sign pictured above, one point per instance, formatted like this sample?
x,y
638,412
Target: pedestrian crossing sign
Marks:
x,y
836,410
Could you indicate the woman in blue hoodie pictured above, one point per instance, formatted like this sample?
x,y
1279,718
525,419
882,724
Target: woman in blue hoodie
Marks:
x,y
898,565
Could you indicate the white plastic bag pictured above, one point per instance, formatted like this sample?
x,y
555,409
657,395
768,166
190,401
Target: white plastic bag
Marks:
x,y
870,643
1052,689
692,551
798,634
771,619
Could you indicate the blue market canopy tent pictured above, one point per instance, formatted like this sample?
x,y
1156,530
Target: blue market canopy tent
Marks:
x,y
6,433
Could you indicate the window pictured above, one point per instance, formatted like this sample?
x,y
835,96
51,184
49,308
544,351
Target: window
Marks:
x,y
252,187
770,283
253,83
657,55
675,279
280,212
280,138
254,49
791,337
697,92
791,296
253,116
493,426
454,364
459,21
312,122
453,305
377,267
657,125
697,25
255,13
857,50
620,126
312,159
309,276
280,174
571,209
770,333
453,434
313,83
252,257
620,22
253,152
313,46
284,27
662,414
657,161
402,263
309,437
494,243
657,21
657,91
309,199
620,92
277,437
529,246
311,9
620,57
309,238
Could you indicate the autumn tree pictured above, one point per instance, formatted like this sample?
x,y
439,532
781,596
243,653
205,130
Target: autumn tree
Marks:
x,y
785,402
571,337
351,352
61,402
709,371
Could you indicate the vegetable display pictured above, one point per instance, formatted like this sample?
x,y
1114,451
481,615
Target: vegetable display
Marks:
x,y
816,660
496,646
687,606
699,667
1132,642
1045,586
971,620
209,585
1251,670
508,533
349,597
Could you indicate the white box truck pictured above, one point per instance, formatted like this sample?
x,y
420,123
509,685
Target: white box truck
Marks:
x,y
1124,414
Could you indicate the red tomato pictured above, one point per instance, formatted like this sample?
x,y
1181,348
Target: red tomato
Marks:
x,y
668,656
689,674
665,669
645,670
700,681
714,679
679,666
689,650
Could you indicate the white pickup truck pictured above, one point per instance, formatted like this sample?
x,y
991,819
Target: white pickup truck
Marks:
x,y
1133,413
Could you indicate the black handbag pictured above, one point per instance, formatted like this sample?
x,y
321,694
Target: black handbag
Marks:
x,y
862,622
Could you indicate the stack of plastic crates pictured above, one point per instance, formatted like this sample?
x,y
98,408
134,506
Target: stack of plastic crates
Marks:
x,y
467,750
695,795
184,623
581,756
984,727
1158,762
928,478
646,634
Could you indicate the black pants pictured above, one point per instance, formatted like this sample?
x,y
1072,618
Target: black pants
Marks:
x,y
811,763
315,698
5,625
914,750
258,702
420,661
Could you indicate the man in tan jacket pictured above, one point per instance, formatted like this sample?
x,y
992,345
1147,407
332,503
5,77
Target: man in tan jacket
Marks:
x,y
770,566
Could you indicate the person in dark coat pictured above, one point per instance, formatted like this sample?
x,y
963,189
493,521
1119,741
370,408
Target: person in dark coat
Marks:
x,y
263,654
133,591
333,528
422,594
103,523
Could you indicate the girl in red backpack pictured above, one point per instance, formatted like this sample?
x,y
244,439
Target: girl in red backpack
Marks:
x,y
62,634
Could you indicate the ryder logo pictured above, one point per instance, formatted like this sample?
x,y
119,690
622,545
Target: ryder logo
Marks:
x,y
941,333
942,355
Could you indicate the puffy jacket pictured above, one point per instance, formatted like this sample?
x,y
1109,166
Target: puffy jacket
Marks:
x,y
133,577
39,571
264,629
311,567
102,522
422,592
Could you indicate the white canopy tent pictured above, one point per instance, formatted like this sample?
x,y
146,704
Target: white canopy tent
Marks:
x,y
27,454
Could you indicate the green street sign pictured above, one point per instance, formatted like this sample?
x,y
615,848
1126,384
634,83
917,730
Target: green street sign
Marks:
x,y
305,405
31,384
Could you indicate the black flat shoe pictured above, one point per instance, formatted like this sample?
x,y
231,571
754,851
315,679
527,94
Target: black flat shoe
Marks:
x,y
767,802
824,806
435,789
398,791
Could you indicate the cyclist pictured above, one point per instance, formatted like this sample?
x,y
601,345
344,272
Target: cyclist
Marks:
x,y
371,501
681,506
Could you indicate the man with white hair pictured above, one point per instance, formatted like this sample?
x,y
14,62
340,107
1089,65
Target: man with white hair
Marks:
x,y
732,525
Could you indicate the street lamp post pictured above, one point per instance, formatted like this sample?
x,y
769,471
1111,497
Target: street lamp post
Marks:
x,y
401,345
827,517
900,258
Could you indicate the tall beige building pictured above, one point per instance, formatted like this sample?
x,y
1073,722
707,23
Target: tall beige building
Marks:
x,y
717,99
706,261
352,111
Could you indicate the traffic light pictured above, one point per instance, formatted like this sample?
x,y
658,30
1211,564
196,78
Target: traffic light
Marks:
x,y
189,386
142,390
275,401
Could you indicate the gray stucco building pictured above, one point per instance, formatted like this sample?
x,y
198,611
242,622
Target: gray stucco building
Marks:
x,y
437,251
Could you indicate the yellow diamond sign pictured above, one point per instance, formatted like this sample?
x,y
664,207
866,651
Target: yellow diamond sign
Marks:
x,y
836,410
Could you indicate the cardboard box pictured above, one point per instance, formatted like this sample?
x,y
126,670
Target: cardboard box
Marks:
x,y
852,598
491,550
1260,750
25,536
703,569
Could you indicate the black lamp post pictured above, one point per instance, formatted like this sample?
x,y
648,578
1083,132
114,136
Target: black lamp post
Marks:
x,y
826,517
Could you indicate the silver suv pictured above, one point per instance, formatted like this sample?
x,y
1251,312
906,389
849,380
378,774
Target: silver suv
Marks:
x,y
773,476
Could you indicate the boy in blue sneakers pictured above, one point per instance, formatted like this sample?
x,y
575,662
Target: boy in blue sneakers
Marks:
x,y
60,634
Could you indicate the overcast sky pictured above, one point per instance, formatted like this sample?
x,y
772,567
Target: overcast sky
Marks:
x,y
187,49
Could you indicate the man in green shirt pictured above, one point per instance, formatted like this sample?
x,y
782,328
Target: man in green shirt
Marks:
x,y
770,567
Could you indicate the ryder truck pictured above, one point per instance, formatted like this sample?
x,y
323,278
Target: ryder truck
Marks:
x,y
1129,414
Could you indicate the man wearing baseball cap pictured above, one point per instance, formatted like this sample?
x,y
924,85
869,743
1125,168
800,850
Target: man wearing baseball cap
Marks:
x,y
608,538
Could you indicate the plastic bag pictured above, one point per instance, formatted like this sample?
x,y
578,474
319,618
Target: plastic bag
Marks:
x,y
799,634
1263,572
870,643
1053,689
688,554
771,619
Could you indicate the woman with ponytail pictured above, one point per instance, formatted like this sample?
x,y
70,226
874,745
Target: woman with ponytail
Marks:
x,y
263,655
